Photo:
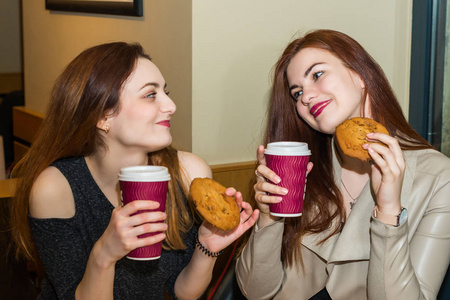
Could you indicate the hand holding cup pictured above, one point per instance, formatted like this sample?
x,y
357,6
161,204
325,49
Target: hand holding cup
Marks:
x,y
126,225
287,167
145,183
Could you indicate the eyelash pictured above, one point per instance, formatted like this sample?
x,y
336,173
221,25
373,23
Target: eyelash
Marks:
x,y
314,76
296,95
151,95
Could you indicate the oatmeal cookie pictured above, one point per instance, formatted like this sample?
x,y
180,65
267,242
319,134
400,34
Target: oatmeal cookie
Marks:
x,y
211,202
351,135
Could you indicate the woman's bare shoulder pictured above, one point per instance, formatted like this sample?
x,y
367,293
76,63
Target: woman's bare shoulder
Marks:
x,y
194,166
51,196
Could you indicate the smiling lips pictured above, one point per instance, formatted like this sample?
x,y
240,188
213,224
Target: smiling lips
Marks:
x,y
165,123
317,109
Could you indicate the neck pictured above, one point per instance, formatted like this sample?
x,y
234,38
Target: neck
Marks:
x,y
106,164
354,176
351,163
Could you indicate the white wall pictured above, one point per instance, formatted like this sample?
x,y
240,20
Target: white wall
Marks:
x,y
236,43
216,56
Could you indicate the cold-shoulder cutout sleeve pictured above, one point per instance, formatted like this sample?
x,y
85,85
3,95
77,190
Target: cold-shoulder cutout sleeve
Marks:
x,y
51,196
193,166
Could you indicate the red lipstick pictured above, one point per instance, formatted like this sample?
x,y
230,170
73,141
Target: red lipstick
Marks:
x,y
317,109
164,123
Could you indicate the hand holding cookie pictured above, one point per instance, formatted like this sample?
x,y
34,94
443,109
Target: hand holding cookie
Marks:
x,y
214,205
227,215
388,171
361,138
351,136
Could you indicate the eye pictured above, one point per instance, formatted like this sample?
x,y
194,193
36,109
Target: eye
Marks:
x,y
316,75
150,95
297,95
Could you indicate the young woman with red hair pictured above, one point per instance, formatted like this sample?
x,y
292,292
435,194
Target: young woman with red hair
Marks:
x,y
369,230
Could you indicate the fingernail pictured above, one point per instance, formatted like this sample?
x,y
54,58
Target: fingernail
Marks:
x,y
277,179
365,146
284,191
369,134
279,199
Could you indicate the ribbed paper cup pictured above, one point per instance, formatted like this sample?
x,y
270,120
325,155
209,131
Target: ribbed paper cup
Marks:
x,y
145,183
289,161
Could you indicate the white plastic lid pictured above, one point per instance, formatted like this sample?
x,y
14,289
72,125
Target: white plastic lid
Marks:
x,y
287,149
144,173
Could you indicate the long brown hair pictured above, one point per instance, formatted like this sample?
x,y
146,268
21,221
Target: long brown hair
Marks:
x,y
323,200
87,90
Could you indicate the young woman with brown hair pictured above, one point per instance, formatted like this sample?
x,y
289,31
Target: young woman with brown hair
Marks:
x,y
369,230
110,109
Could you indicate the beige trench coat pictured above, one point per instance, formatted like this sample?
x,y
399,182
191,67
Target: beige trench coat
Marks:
x,y
368,259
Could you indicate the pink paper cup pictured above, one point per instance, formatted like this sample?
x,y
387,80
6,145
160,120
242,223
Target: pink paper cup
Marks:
x,y
145,183
289,161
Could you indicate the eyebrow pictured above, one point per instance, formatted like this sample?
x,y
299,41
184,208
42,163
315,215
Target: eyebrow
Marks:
x,y
154,84
306,74
310,68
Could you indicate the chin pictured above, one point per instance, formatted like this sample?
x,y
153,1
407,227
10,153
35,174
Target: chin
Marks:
x,y
167,144
329,128
328,125
330,131
159,146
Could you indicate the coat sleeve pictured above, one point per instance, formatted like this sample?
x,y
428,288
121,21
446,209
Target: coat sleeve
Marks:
x,y
403,268
259,270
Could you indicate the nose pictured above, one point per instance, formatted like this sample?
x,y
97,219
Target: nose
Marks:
x,y
309,94
168,106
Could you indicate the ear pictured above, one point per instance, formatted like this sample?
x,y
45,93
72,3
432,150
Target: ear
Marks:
x,y
362,84
356,78
102,124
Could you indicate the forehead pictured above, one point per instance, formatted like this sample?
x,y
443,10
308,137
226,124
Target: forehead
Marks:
x,y
307,57
145,71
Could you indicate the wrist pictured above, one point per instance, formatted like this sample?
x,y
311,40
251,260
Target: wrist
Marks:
x,y
205,250
267,219
390,208
270,216
101,260
389,218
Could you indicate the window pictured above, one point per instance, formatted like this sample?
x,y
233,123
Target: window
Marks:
x,y
429,110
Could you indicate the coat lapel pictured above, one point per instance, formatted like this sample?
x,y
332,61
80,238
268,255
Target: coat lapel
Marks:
x,y
353,242
323,250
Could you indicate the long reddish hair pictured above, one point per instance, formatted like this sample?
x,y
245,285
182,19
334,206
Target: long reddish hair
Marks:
x,y
87,90
323,200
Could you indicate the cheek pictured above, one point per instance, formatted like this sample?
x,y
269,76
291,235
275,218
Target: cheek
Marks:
x,y
141,115
303,111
